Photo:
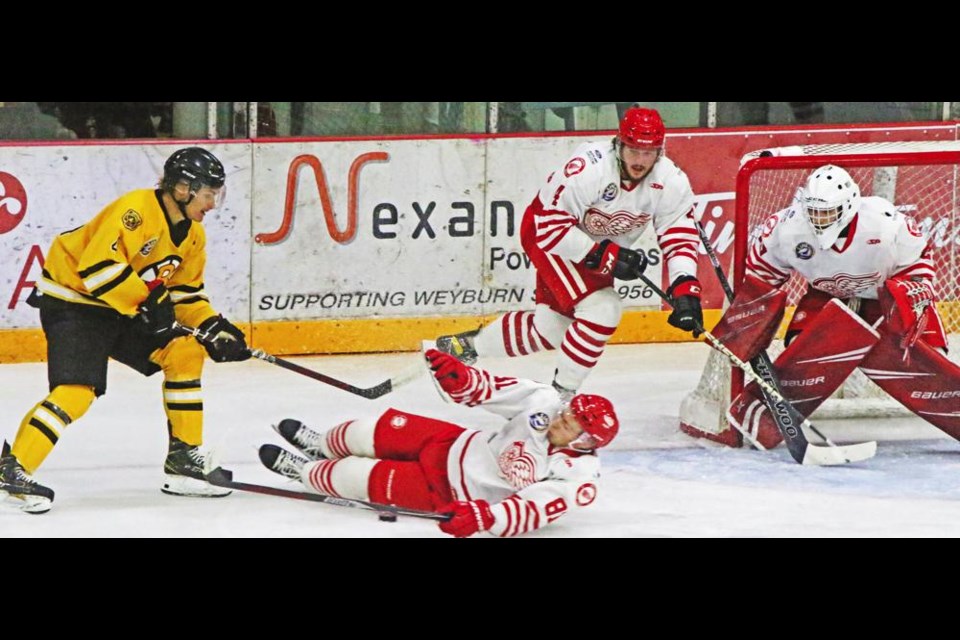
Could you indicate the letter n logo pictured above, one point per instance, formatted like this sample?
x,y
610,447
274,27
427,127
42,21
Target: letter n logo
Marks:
x,y
350,231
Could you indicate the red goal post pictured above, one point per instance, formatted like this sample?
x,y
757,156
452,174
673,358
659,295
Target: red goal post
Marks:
x,y
920,178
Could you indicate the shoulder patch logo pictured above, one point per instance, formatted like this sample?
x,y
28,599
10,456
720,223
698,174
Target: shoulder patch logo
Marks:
x,y
804,251
539,421
148,247
610,192
131,220
574,167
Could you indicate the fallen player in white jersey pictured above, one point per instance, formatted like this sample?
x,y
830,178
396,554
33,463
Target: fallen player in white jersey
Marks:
x,y
541,464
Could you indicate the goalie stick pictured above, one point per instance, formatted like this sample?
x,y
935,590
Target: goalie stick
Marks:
x,y
788,419
220,477
761,362
370,393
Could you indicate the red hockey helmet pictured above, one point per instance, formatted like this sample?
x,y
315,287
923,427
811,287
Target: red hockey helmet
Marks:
x,y
642,127
597,418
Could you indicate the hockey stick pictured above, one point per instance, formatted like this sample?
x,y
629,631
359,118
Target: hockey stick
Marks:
x,y
370,393
784,413
220,477
761,362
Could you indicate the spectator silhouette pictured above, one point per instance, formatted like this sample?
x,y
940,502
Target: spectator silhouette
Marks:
x,y
25,121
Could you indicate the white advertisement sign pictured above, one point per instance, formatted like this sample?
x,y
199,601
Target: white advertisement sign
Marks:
x,y
46,190
399,228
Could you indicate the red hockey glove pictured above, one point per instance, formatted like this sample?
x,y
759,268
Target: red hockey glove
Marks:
x,y
468,518
454,376
911,309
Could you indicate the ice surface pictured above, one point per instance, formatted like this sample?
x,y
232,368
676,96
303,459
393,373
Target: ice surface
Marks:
x,y
107,468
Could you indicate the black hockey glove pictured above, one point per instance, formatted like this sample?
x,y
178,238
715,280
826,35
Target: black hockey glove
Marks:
x,y
156,311
609,257
224,342
687,314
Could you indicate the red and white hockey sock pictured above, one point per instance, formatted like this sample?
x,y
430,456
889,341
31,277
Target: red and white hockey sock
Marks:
x,y
595,319
351,438
582,347
343,478
513,334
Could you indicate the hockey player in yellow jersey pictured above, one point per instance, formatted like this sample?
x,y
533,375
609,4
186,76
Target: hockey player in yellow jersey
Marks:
x,y
113,288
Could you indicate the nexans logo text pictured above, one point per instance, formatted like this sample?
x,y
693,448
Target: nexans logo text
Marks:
x,y
456,219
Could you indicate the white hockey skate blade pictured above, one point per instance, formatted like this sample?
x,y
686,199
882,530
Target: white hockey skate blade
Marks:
x,y
191,487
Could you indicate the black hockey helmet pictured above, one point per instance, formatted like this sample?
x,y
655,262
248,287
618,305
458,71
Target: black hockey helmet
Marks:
x,y
193,165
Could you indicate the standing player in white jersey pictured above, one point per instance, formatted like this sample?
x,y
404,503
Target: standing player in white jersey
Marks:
x,y
869,303
578,232
541,464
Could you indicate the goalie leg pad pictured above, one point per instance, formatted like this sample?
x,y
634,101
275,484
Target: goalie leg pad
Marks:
x,y
748,412
809,370
748,326
928,384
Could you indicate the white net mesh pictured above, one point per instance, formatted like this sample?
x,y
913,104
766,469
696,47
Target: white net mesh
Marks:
x,y
927,191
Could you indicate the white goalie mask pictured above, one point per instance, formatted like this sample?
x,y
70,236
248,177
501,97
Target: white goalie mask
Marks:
x,y
830,198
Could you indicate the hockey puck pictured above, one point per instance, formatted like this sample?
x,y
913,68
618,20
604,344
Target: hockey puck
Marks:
x,y
766,154
388,517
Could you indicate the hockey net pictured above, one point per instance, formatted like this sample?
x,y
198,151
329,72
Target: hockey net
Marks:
x,y
920,178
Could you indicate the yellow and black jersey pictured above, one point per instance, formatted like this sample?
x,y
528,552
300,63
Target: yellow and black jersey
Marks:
x,y
108,261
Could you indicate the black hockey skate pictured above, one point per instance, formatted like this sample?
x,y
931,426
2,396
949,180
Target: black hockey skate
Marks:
x,y
281,461
184,468
305,439
460,346
25,492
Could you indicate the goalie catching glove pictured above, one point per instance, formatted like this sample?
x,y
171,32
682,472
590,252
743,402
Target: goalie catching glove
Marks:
x,y
909,308
224,342
608,257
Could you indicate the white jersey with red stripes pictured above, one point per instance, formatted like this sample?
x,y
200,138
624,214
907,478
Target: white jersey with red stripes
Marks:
x,y
527,481
586,202
879,243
